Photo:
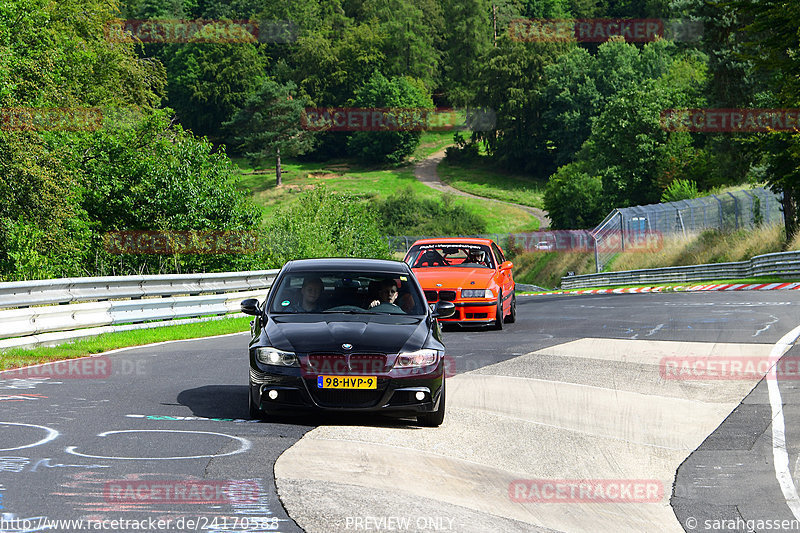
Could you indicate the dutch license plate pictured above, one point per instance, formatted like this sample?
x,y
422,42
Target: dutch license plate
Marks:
x,y
347,382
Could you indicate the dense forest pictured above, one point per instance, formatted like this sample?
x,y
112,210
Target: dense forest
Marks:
x,y
583,116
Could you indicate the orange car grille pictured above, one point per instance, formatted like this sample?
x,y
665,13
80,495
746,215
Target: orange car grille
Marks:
x,y
448,296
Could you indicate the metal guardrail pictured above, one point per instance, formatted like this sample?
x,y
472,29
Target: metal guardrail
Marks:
x,y
36,312
776,264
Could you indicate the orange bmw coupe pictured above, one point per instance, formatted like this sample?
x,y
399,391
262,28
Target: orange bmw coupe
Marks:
x,y
470,272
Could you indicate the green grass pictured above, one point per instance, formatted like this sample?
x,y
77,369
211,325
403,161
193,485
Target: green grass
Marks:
x,y
16,357
483,180
431,142
367,182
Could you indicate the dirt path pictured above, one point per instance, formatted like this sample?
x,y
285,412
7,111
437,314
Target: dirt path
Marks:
x,y
425,171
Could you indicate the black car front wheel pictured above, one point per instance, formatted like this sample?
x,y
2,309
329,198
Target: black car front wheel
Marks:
x,y
435,418
512,317
498,322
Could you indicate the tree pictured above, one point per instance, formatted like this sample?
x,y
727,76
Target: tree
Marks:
x,y
509,81
631,150
571,99
466,39
209,82
573,197
410,30
771,43
388,146
270,124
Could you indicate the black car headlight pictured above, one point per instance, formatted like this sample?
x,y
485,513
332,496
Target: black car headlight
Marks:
x,y
417,359
477,293
275,357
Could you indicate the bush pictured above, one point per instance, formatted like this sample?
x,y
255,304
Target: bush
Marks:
x,y
512,248
404,213
323,224
155,176
573,198
463,151
387,146
680,190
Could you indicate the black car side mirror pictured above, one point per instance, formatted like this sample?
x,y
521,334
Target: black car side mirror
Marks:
x,y
444,310
250,307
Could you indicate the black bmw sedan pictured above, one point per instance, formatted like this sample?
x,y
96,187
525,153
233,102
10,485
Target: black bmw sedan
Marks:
x,y
347,335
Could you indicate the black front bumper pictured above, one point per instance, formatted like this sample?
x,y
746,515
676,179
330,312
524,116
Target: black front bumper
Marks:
x,y
297,390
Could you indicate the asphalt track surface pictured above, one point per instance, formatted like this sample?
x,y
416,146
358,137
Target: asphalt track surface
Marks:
x,y
573,390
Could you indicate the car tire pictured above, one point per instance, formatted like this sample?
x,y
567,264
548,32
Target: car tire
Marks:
x,y
498,322
512,317
435,418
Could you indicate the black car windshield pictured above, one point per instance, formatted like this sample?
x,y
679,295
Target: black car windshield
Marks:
x,y
347,292
460,255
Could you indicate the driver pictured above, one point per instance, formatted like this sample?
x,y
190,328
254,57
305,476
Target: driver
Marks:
x,y
387,293
476,256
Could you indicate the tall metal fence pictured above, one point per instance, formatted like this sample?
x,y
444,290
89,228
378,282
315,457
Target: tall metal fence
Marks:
x,y
728,211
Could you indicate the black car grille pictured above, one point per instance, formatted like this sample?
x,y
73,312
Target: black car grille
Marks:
x,y
327,363
346,398
448,296
360,364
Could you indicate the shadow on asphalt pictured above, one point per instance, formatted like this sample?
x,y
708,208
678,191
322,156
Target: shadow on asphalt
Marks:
x,y
230,401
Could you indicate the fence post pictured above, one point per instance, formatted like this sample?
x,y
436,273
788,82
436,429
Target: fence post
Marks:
x,y
721,222
622,231
596,255
735,208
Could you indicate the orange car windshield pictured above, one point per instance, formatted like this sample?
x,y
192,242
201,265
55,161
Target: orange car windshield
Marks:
x,y
450,255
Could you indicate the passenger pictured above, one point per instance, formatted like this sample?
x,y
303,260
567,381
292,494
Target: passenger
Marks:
x,y
310,293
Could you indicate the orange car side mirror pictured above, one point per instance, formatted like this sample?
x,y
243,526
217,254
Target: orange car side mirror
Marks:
x,y
506,265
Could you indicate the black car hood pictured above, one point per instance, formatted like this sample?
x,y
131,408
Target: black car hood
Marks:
x,y
367,333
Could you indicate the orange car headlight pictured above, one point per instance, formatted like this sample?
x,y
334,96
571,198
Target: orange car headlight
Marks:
x,y
477,293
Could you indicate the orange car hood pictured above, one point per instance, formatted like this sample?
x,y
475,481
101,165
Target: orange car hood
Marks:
x,y
453,277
